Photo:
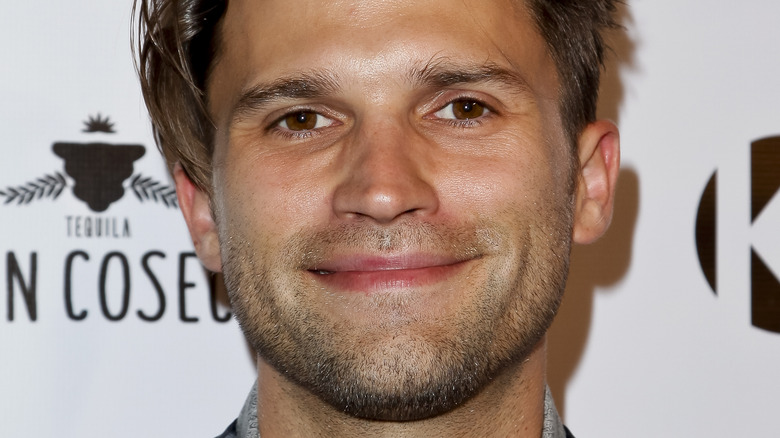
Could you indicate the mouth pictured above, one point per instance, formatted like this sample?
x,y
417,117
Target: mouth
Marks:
x,y
372,274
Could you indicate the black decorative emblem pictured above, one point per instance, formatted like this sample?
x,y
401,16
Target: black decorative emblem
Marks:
x,y
765,183
98,171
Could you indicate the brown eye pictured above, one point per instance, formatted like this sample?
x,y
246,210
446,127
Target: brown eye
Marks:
x,y
463,109
467,109
302,121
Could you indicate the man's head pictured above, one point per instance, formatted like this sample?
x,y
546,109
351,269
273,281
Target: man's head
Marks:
x,y
390,188
179,44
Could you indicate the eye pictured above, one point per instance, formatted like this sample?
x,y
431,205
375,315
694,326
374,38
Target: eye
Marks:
x,y
463,109
304,121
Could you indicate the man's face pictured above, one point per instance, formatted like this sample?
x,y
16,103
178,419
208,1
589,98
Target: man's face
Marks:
x,y
392,193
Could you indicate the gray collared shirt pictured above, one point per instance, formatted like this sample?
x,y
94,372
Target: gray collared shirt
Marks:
x,y
246,425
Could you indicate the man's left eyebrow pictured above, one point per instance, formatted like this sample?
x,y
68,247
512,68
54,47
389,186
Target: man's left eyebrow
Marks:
x,y
444,74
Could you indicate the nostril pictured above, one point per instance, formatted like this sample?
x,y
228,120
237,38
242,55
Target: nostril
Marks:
x,y
384,202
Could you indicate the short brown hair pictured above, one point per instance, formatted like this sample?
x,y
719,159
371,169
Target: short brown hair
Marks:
x,y
178,40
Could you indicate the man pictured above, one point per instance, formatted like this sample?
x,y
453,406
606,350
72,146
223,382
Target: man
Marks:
x,y
391,189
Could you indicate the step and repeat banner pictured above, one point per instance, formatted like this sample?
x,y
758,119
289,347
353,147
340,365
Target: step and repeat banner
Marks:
x,y
671,324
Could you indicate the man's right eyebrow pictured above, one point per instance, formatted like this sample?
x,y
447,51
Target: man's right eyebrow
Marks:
x,y
300,86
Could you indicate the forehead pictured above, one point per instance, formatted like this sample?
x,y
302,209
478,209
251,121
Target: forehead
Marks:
x,y
368,43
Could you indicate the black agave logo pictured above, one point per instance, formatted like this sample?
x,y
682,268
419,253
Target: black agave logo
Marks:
x,y
98,171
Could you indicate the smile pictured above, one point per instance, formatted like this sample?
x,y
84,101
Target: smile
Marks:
x,y
385,274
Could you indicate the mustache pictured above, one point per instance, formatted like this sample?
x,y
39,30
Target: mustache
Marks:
x,y
309,248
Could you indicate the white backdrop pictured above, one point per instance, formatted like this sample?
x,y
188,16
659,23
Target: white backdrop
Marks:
x,y
642,347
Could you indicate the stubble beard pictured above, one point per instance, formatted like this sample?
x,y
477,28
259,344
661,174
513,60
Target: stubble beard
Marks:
x,y
400,369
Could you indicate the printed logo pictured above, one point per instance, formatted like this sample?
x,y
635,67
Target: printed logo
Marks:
x,y
765,183
98,172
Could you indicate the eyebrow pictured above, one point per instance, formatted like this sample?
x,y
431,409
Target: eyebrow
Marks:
x,y
300,86
443,73
319,83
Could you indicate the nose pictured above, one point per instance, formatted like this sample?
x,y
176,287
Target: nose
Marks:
x,y
387,175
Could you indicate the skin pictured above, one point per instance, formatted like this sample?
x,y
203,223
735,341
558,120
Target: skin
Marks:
x,y
394,200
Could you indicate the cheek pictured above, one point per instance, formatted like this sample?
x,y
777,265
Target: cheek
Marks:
x,y
263,196
510,171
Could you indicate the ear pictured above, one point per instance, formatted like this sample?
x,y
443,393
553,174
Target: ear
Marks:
x,y
195,207
599,154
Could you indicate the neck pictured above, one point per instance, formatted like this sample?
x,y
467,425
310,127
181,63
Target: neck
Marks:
x,y
512,405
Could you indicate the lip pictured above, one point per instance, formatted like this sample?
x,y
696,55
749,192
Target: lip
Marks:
x,y
371,274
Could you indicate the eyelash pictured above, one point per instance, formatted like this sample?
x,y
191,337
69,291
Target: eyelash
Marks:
x,y
290,134
466,123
